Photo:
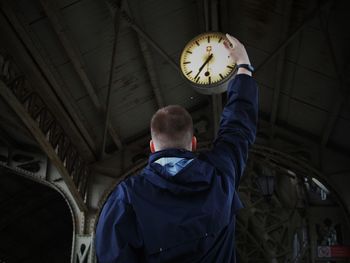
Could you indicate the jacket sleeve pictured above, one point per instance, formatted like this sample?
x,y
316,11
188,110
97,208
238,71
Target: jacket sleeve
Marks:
x,y
237,128
117,236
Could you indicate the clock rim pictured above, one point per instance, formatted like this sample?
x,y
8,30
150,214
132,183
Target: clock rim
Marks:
x,y
213,85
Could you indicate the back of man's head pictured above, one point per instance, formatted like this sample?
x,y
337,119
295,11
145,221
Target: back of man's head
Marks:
x,y
172,127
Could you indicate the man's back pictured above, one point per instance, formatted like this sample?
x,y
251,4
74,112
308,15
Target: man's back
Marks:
x,y
182,217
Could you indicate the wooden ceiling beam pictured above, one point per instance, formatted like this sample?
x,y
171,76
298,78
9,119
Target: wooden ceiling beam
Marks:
x,y
116,29
133,25
54,16
152,74
147,57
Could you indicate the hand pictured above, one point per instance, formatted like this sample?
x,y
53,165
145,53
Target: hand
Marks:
x,y
206,62
237,50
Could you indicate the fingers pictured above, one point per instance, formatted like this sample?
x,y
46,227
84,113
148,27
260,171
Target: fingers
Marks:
x,y
237,50
234,41
227,45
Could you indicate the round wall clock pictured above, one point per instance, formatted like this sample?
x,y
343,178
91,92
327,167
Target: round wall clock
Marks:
x,y
206,63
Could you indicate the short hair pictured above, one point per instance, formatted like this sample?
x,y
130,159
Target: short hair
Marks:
x,y
172,127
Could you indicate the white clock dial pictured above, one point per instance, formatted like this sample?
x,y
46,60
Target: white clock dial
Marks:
x,y
205,61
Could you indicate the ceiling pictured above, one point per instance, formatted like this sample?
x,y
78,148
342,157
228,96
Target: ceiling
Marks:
x,y
303,86
67,48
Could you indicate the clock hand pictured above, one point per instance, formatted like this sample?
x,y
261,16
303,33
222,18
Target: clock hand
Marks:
x,y
208,65
206,62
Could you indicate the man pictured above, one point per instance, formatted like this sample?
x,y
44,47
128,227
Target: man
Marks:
x,y
182,207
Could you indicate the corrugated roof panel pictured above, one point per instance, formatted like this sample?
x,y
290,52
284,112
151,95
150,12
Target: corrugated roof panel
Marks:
x,y
136,119
314,52
184,95
128,60
52,48
258,27
306,117
90,23
314,88
67,73
265,97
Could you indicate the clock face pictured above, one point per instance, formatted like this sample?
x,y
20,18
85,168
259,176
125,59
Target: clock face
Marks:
x,y
205,61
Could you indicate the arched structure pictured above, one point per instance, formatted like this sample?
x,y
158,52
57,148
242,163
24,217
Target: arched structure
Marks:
x,y
285,204
61,166
61,61
280,225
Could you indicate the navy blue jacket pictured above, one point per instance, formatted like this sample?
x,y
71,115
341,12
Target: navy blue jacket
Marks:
x,y
190,216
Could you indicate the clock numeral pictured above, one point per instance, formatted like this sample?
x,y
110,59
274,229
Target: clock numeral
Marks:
x,y
197,43
188,73
221,76
187,62
220,39
196,79
209,80
208,39
230,67
189,52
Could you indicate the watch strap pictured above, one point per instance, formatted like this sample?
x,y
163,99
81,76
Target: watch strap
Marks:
x,y
246,66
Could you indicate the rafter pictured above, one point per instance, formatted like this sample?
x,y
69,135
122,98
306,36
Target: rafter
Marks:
x,y
116,27
64,166
147,55
143,34
39,72
279,67
75,57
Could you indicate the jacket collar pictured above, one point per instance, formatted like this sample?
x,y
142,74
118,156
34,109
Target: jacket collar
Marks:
x,y
182,182
181,153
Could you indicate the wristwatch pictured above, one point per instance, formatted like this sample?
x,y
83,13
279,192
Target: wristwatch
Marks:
x,y
246,66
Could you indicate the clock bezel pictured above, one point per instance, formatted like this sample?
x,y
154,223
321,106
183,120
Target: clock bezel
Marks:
x,y
205,87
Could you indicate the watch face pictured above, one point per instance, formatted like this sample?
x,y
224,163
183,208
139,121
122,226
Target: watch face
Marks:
x,y
205,61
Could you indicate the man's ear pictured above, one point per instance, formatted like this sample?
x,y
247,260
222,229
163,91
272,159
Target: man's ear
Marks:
x,y
194,143
151,146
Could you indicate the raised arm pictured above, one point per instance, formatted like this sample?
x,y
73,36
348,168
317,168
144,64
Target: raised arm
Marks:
x,y
238,120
